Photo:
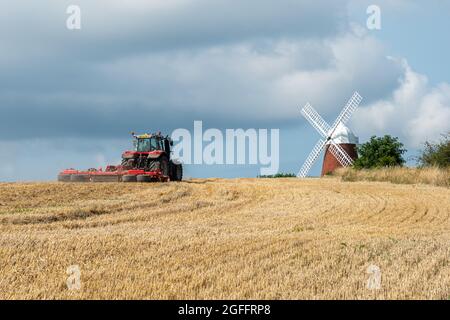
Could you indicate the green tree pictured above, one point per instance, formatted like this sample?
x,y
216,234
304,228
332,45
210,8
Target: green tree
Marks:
x,y
436,154
379,152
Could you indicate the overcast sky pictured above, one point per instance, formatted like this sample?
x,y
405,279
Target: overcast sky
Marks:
x,y
69,98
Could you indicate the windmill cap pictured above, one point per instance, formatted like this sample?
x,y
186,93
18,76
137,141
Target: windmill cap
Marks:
x,y
343,134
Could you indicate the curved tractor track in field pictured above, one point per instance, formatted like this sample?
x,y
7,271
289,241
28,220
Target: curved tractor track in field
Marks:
x,y
216,238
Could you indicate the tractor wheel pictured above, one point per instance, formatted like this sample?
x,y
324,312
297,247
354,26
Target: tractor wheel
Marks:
x,y
129,178
143,178
161,163
164,165
79,178
177,172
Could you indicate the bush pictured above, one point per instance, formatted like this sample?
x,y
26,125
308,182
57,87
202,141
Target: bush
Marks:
x,y
279,175
380,152
436,154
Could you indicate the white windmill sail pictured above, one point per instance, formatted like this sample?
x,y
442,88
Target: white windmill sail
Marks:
x,y
327,132
315,120
311,158
347,111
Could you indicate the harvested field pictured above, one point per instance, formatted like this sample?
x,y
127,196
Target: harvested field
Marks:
x,y
225,239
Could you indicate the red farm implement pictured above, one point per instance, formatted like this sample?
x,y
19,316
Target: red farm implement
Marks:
x,y
149,161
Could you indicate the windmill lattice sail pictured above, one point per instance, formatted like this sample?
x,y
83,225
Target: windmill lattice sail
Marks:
x,y
329,134
315,120
347,111
311,159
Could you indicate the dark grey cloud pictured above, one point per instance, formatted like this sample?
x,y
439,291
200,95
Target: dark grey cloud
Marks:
x,y
153,63
253,84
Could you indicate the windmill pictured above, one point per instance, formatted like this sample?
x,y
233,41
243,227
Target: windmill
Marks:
x,y
327,132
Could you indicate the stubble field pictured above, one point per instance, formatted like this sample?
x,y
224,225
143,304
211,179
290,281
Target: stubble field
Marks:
x,y
225,239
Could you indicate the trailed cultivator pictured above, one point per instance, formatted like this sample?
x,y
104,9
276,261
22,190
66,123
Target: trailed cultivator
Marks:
x,y
149,161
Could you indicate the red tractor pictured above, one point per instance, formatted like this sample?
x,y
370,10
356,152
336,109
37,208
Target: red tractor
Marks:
x,y
149,161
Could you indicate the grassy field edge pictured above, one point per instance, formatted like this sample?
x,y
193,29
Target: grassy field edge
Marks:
x,y
401,175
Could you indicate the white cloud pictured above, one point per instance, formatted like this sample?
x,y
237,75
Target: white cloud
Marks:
x,y
415,111
433,116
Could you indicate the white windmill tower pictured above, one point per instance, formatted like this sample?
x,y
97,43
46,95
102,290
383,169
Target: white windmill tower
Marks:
x,y
335,138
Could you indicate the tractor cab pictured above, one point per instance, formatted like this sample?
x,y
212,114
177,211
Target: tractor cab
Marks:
x,y
152,142
147,143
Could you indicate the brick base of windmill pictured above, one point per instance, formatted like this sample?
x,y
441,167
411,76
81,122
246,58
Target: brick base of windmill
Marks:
x,y
344,137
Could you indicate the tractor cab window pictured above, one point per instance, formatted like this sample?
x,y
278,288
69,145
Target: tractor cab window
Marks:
x,y
147,144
